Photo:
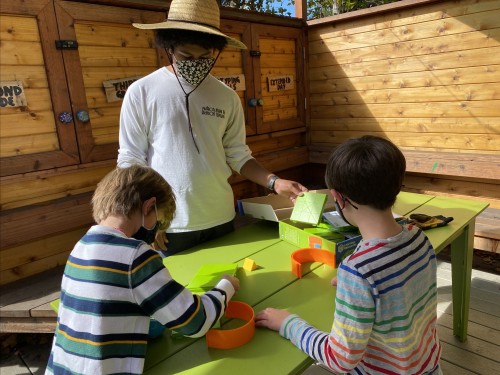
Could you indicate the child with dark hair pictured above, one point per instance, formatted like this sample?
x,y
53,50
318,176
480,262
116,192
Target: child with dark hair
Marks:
x,y
114,282
385,309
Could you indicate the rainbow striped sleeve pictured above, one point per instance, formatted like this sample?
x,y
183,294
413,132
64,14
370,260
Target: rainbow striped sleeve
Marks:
x,y
385,311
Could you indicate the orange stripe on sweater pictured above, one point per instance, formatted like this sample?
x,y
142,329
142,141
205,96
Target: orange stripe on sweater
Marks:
x,y
389,354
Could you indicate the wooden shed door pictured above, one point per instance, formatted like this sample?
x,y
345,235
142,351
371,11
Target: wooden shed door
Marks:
x,y
62,86
109,49
279,78
234,63
275,53
31,136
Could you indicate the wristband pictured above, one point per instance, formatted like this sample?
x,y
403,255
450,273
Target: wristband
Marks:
x,y
232,338
310,255
271,182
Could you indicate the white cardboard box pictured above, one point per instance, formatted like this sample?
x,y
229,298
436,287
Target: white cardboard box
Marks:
x,y
274,207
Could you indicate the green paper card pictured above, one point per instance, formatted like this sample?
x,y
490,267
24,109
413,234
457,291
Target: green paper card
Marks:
x,y
308,208
209,275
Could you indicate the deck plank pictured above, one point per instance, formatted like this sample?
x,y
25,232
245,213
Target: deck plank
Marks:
x,y
479,331
450,368
479,354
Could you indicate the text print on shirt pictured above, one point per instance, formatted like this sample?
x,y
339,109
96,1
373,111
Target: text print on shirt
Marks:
x,y
211,111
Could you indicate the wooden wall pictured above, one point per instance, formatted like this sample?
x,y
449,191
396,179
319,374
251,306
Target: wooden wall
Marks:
x,y
424,74
49,170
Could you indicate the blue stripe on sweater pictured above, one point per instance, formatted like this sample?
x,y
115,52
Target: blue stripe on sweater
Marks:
x,y
99,263
397,261
403,270
400,284
99,307
109,239
374,257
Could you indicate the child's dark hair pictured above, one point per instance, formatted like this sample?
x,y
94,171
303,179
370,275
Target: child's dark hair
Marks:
x,y
171,38
368,170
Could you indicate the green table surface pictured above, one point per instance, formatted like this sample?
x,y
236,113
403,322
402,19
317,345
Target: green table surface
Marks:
x,y
463,212
312,297
313,289
274,285
231,248
408,202
273,274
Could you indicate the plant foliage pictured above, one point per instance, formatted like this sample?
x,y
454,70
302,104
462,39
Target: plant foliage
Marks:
x,y
315,8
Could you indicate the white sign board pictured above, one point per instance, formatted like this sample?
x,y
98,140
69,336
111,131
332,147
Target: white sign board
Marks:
x,y
116,88
280,83
12,94
235,81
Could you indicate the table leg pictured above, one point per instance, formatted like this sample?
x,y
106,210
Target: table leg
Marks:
x,y
461,270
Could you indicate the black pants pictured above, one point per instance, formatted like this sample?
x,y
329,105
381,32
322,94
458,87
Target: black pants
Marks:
x,y
184,240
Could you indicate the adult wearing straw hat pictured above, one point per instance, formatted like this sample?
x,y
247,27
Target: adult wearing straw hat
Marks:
x,y
190,127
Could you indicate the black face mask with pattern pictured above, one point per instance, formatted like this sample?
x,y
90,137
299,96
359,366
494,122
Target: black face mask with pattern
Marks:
x,y
194,71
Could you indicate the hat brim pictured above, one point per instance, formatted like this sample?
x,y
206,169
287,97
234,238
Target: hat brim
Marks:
x,y
192,27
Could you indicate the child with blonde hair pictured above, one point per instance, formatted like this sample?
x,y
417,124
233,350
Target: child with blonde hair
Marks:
x,y
114,282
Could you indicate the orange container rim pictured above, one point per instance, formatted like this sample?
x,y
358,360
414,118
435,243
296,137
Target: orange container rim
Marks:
x,y
306,255
233,338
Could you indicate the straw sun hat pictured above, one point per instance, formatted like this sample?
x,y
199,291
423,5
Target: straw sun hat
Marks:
x,y
194,15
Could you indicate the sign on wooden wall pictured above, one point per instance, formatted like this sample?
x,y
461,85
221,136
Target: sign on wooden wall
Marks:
x,y
235,81
280,83
12,94
116,88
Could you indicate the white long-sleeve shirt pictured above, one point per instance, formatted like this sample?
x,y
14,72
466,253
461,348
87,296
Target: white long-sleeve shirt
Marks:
x,y
154,131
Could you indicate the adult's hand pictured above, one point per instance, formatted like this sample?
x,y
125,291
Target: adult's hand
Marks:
x,y
289,189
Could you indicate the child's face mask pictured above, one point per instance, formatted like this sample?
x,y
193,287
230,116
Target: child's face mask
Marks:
x,y
145,234
194,71
340,210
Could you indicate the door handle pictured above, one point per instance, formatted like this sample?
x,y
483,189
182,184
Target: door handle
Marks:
x,y
65,117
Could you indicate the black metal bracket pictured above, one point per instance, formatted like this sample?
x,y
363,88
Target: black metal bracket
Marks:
x,y
255,53
66,44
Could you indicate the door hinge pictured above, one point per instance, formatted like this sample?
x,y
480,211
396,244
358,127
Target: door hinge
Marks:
x,y
255,53
66,44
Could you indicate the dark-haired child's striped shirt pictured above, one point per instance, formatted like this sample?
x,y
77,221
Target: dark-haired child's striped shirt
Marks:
x,y
111,287
385,311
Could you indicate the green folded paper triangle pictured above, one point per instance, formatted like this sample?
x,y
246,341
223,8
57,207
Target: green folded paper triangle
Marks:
x,y
308,208
209,275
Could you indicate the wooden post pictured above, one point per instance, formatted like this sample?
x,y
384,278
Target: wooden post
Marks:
x,y
301,9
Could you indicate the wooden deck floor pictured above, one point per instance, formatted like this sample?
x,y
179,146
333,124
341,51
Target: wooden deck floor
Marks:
x,y
480,354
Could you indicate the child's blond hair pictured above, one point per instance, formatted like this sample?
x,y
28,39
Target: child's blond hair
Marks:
x,y
123,191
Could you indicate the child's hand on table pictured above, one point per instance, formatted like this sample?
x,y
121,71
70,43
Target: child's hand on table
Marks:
x,y
271,318
233,280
